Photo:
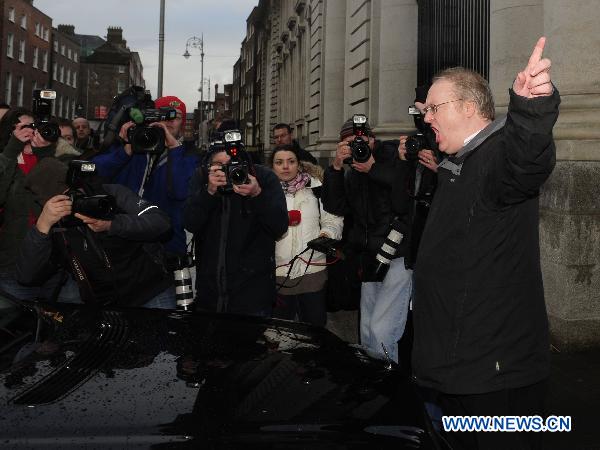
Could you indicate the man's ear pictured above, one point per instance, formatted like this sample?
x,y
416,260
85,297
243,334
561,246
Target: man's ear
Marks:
x,y
470,108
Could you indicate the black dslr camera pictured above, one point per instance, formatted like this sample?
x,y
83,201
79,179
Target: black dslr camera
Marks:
x,y
100,206
144,138
42,110
424,139
237,169
361,152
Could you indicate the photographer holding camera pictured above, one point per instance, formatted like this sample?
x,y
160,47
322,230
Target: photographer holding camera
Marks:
x,y
236,211
22,147
152,161
372,192
103,234
421,152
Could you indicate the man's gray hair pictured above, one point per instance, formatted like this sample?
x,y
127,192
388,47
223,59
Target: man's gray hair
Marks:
x,y
469,85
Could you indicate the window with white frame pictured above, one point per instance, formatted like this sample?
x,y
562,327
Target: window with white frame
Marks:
x,y
120,86
62,49
68,78
74,80
61,71
55,46
69,53
20,91
46,34
10,40
35,57
24,21
22,51
121,69
37,30
54,71
75,56
60,106
11,14
8,88
45,61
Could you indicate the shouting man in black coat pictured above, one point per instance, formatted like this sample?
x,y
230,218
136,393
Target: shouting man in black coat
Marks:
x,y
481,330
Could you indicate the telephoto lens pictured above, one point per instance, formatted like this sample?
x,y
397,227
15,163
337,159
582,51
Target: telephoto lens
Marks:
x,y
184,295
387,251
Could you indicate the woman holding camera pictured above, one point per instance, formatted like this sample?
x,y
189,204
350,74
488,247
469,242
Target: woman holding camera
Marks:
x,y
21,149
301,280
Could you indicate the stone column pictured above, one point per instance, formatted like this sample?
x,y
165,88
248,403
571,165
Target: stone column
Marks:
x,y
570,201
329,77
514,30
393,70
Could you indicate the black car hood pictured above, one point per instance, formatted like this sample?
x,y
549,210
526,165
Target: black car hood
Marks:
x,y
149,378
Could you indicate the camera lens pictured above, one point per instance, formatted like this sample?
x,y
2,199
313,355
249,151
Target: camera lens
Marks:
x,y
49,131
360,150
414,144
146,139
238,175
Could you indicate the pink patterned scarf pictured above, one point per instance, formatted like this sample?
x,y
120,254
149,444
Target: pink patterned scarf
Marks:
x,y
298,183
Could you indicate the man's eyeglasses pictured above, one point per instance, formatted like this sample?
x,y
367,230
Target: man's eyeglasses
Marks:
x,y
434,108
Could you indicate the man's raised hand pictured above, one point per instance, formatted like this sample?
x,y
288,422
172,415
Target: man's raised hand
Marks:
x,y
534,80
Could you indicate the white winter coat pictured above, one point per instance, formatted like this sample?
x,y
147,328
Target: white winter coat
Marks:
x,y
311,225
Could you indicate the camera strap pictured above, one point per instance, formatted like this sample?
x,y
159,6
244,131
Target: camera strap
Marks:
x,y
85,288
223,299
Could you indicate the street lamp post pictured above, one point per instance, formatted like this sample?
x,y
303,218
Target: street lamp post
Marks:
x,y
94,77
198,42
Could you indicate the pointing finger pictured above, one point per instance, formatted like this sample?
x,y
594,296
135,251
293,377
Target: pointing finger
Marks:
x,y
536,55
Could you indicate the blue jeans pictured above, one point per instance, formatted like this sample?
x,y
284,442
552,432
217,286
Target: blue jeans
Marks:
x,y
164,300
10,285
383,310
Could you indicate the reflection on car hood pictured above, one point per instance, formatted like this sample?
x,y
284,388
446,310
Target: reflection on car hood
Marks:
x,y
129,378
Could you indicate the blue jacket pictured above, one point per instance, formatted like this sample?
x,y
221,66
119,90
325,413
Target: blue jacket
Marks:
x,y
166,184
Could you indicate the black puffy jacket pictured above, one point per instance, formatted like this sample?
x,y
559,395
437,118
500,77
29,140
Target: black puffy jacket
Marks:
x,y
123,265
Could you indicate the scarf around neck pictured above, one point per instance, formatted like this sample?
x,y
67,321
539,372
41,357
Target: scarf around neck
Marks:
x,y
298,183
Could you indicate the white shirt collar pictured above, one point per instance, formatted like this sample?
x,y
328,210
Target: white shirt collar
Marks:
x,y
470,138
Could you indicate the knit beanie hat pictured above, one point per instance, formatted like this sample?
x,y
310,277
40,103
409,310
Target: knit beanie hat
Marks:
x,y
172,102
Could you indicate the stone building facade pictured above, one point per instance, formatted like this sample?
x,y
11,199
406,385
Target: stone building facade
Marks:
x,y
24,51
324,60
64,70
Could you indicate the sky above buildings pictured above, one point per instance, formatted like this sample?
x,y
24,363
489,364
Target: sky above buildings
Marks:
x,y
223,23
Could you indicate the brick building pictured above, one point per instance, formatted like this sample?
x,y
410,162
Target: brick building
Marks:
x,y
65,67
222,104
107,71
24,51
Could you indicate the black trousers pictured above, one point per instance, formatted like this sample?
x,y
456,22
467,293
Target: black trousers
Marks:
x,y
308,307
524,401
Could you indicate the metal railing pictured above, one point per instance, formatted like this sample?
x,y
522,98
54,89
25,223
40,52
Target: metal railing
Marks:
x,y
453,33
